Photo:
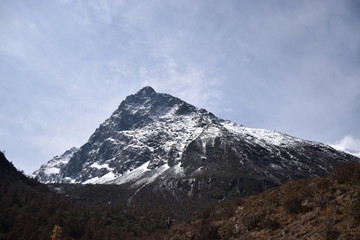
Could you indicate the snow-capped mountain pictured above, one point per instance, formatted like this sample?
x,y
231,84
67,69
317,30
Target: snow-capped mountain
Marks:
x,y
155,138
49,172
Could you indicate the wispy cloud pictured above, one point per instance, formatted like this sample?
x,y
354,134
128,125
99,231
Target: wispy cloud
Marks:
x,y
348,144
187,82
66,65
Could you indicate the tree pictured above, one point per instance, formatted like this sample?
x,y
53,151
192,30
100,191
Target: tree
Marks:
x,y
56,233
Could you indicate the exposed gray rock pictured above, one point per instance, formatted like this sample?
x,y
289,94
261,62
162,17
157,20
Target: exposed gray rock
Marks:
x,y
159,141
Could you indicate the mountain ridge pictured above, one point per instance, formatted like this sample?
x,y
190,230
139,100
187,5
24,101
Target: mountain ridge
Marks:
x,y
155,139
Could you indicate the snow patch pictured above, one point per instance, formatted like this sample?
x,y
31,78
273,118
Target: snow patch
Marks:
x,y
261,136
275,166
143,175
98,166
69,180
132,175
101,180
51,170
178,170
152,175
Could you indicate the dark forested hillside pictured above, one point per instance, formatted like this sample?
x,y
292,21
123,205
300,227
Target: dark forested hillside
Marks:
x,y
29,210
319,208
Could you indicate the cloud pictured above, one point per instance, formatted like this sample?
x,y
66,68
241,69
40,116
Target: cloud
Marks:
x,y
188,82
66,65
348,144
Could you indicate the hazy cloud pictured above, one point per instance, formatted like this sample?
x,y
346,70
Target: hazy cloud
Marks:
x,y
348,144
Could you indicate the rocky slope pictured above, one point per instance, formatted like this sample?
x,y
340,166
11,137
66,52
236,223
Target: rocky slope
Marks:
x,y
49,172
158,143
319,208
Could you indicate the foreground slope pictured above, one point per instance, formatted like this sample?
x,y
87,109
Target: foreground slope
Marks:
x,y
157,143
29,210
320,208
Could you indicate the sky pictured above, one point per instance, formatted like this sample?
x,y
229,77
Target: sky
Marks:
x,y
66,65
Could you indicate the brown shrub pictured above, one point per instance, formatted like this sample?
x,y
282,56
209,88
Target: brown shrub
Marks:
x,y
206,230
270,223
251,219
323,183
354,209
293,203
348,173
331,234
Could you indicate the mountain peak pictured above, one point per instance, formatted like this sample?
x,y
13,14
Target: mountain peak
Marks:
x,y
155,135
146,91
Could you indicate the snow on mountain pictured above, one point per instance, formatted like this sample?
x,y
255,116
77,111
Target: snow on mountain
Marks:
x,y
155,138
49,172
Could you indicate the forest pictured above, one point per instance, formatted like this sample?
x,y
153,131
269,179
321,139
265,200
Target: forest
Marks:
x,y
30,210
324,208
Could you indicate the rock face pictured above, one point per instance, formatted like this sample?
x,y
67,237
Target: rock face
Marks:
x,y
49,172
155,139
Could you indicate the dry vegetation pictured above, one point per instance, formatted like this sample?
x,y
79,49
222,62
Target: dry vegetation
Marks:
x,y
323,208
